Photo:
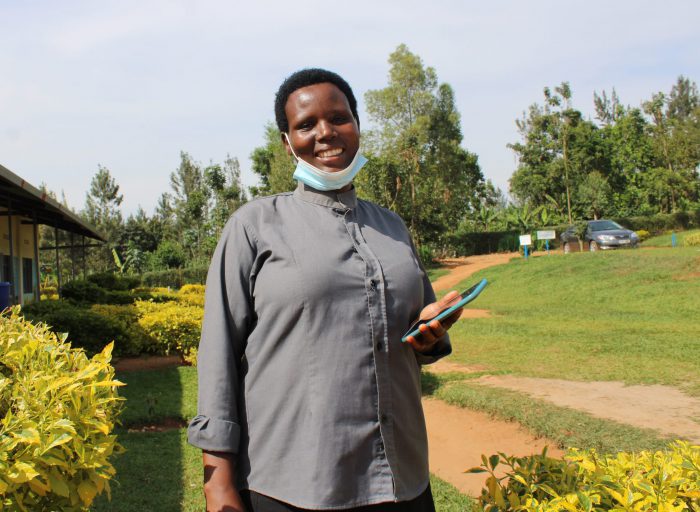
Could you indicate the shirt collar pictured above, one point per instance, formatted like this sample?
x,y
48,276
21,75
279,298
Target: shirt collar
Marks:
x,y
331,198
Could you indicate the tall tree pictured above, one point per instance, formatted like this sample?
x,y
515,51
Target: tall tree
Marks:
x,y
102,210
417,165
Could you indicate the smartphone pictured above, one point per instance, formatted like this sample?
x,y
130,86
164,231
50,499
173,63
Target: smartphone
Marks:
x,y
468,295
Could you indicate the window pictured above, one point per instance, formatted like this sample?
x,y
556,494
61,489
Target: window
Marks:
x,y
28,275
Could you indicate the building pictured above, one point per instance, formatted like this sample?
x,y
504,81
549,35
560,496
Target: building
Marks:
x,y
23,208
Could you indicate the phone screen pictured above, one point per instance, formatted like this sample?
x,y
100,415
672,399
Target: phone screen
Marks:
x,y
466,296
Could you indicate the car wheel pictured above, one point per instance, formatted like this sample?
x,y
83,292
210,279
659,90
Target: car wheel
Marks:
x,y
593,246
567,247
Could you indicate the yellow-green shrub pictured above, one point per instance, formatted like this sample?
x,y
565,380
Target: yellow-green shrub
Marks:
x,y
643,234
176,327
192,294
189,289
692,240
587,481
57,410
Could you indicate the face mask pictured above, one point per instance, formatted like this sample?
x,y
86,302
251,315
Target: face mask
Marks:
x,y
324,180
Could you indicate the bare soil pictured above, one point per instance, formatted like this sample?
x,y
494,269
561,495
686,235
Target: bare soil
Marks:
x,y
130,364
662,408
461,268
458,437
163,425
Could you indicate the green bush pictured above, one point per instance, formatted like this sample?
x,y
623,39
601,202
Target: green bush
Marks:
x,y
85,328
57,413
80,290
643,234
114,282
130,338
692,240
587,481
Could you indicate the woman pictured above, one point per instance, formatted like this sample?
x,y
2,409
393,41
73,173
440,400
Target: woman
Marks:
x,y
308,399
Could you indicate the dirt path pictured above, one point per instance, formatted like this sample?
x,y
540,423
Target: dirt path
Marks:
x,y
461,268
458,437
662,408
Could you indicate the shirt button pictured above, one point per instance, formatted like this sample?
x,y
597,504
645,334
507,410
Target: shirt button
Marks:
x,y
373,285
379,347
384,418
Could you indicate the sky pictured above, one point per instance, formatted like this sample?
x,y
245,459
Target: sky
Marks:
x,y
130,84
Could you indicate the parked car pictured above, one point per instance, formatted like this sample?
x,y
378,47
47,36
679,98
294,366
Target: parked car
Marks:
x,y
600,234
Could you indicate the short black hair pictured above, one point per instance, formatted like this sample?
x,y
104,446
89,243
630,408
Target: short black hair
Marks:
x,y
304,78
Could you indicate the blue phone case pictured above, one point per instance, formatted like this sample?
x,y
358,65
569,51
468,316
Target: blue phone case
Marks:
x,y
467,296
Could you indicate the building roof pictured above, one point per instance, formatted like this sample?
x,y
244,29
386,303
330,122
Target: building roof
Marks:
x,y
27,200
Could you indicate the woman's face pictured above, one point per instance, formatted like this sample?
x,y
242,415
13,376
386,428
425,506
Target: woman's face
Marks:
x,y
322,129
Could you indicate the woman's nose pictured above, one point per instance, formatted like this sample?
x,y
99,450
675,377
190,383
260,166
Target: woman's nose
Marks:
x,y
325,130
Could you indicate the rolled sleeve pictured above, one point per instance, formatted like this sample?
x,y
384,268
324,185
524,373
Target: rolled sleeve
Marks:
x,y
228,317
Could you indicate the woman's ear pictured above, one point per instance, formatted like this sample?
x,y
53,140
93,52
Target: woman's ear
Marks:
x,y
285,141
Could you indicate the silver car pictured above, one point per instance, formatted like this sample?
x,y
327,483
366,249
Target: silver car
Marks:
x,y
600,234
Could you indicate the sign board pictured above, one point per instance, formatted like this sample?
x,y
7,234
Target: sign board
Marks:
x,y
525,239
546,235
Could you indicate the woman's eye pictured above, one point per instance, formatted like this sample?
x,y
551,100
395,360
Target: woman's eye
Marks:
x,y
340,119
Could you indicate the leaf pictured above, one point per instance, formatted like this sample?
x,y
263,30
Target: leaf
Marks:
x,y
493,461
28,436
476,469
58,485
584,501
62,439
21,472
87,492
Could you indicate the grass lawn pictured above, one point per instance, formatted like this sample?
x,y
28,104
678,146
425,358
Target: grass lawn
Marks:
x,y
665,240
436,272
630,316
160,471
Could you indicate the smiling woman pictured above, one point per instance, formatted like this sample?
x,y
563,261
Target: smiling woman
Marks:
x,y
307,396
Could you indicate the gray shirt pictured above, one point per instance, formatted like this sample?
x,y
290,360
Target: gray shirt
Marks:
x,y
302,371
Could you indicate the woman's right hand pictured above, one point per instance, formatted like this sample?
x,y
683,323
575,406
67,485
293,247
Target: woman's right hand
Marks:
x,y
219,483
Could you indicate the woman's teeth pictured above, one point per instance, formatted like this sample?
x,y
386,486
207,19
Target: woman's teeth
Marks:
x,y
330,153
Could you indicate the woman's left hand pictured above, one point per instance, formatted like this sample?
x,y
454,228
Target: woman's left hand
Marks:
x,y
432,331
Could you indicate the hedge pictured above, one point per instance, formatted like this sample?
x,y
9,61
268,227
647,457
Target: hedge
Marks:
x,y
175,278
85,328
175,327
587,481
57,413
487,242
657,224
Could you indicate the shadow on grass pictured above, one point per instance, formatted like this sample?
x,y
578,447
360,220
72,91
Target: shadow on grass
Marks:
x,y
429,383
150,472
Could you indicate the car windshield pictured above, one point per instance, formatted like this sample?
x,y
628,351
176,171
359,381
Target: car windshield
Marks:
x,y
604,225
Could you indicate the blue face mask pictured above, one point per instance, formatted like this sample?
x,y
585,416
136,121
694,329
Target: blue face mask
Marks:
x,y
325,180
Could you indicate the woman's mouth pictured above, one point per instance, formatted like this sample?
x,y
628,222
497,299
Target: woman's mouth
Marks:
x,y
330,153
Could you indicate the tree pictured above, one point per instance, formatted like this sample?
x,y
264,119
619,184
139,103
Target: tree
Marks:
x,y
102,210
558,150
225,183
417,166
594,194
272,164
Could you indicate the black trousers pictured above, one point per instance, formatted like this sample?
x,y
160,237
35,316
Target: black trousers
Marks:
x,y
255,502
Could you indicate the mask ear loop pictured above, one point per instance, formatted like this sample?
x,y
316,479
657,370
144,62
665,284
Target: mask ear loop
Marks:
x,y
289,142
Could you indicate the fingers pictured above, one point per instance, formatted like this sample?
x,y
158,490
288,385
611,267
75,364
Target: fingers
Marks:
x,y
430,334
